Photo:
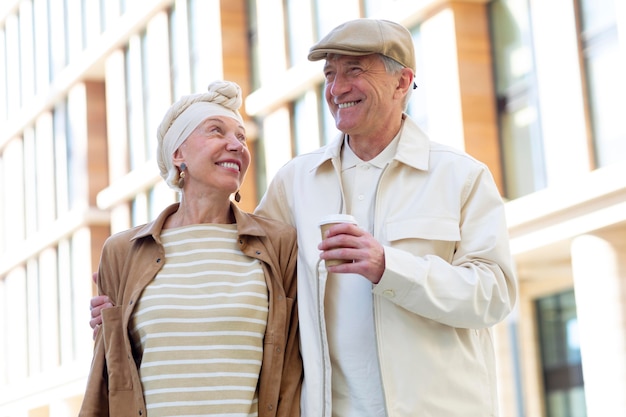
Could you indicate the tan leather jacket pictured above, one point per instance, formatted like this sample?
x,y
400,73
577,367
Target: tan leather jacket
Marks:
x,y
131,259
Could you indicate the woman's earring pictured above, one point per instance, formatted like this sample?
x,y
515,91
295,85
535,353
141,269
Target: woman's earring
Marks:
x,y
181,175
237,196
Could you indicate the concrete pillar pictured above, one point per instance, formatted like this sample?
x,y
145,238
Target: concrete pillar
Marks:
x,y
599,287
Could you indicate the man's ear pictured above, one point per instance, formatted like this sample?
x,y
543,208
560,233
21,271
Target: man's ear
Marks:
x,y
406,80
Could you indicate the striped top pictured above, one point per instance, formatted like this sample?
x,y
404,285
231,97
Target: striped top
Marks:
x,y
199,325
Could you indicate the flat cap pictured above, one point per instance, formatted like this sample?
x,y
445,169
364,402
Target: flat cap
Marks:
x,y
367,36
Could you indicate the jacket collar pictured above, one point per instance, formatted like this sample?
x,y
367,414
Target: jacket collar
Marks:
x,y
413,147
246,224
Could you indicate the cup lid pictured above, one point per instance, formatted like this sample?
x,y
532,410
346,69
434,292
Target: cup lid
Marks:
x,y
338,218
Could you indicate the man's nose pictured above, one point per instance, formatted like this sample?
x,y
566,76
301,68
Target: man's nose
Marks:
x,y
339,85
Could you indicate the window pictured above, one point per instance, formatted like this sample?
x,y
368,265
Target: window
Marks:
x,y
305,123
135,73
418,103
299,24
605,84
560,356
516,90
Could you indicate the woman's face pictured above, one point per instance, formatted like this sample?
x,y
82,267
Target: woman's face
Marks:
x,y
216,155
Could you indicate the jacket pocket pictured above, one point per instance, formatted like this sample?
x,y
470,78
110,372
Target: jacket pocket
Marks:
x,y
424,235
115,348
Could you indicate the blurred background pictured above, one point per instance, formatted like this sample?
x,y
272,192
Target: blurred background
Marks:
x,y
533,88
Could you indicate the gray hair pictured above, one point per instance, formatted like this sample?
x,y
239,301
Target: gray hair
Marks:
x,y
394,67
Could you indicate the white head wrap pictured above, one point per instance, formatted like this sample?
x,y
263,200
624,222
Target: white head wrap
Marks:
x,y
223,99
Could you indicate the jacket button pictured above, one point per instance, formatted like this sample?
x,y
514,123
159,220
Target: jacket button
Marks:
x,y
389,293
158,260
258,252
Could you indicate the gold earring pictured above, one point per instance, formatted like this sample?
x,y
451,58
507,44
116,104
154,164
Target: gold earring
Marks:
x,y
181,175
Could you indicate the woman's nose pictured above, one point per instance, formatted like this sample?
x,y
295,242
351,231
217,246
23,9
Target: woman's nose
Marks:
x,y
234,144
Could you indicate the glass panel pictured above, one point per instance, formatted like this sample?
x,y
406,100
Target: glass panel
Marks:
x,y
205,43
42,46
57,41
305,123
300,30
134,103
61,154
27,52
596,14
606,86
3,76
560,355
66,297
331,13
518,113
178,56
418,103
139,209
512,42
149,125
13,73
30,182
253,42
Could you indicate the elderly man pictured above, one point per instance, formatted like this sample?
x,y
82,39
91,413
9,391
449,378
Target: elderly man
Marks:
x,y
403,328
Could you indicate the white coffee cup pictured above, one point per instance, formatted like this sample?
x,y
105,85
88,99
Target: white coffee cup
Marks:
x,y
329,221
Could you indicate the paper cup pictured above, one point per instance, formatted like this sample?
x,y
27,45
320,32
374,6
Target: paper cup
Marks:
x,y
327,222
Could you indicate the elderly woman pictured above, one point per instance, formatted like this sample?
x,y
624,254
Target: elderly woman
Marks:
x,y
204,317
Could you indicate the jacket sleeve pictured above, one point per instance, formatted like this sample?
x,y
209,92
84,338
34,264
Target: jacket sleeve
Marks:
x,y
471,285
96,399
275,203
292,373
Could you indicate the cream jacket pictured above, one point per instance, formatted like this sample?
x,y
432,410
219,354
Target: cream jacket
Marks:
x,y
448,277
131,260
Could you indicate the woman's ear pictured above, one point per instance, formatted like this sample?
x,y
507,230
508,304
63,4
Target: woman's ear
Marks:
x,y
177,157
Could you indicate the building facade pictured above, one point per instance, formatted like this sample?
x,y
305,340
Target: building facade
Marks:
x,y
534,89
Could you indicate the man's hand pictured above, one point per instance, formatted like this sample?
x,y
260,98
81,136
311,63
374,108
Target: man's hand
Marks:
x,y
96,305
365,254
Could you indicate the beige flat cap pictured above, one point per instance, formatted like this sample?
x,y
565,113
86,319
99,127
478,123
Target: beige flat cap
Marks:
x,y
367,36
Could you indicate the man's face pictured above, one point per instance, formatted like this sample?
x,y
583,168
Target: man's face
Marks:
x,y
360,93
